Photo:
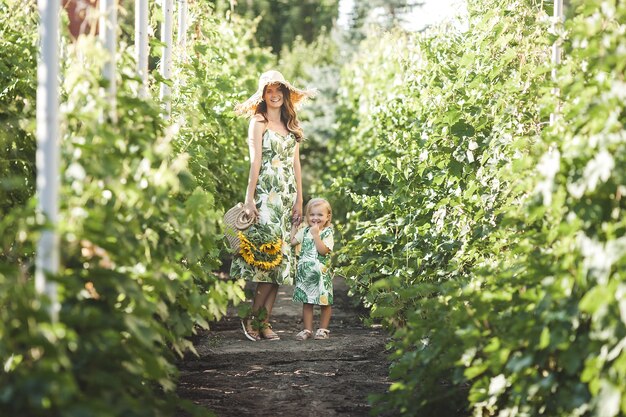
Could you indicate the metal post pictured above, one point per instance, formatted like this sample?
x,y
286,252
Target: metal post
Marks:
x,y
166,60
47,158
556,54
108,36
182,24
141,44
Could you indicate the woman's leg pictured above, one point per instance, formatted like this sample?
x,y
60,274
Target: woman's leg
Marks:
x,y
270,300
264,296
325,316
261,294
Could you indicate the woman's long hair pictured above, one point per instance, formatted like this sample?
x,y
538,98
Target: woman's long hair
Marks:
x,y
288,113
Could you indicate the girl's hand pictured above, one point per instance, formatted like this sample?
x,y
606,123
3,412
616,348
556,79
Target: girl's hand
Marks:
x,y
250,209
292,237
315,230
296,217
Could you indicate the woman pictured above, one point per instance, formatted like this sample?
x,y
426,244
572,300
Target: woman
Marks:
x,y
274,193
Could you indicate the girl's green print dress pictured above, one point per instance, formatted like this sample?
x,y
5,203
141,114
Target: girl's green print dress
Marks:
x,y
314,281
274,197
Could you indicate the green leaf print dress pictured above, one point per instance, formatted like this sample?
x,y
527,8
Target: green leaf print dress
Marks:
x,y
314,281
274,197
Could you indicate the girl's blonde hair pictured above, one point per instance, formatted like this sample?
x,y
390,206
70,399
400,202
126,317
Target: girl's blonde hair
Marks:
x,y
288,113
319,202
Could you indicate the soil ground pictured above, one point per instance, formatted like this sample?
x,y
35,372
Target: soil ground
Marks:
x,y
236,377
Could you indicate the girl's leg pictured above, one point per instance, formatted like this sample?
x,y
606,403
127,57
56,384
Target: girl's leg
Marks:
x,y
307,316
307,319
322,332
325,316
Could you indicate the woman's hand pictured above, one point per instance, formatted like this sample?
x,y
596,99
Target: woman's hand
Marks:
x,y
250,209
296,217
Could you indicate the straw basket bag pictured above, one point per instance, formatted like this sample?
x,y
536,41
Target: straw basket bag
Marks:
x,y
236,220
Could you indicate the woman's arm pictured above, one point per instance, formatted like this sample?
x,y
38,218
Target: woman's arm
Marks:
x,y
297,207
255,140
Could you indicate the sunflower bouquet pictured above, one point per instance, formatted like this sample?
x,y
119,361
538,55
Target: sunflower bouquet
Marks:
x,y
260,248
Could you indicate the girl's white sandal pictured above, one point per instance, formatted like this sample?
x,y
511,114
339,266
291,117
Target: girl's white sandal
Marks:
x,y
322,334
304,335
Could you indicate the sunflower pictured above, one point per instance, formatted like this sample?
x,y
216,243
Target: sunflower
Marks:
x,y
259,248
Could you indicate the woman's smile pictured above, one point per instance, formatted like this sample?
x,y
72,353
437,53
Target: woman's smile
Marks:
x,y
274,95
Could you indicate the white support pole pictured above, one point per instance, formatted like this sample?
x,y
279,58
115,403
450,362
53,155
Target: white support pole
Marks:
x,y
47,158
556,54
108,37
166,60
141,44
182,24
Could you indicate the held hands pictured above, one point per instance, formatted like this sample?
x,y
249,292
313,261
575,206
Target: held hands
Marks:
x,y
292,237
296,217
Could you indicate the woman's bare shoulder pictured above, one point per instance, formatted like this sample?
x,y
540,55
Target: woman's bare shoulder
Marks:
x,y
257,118
257,126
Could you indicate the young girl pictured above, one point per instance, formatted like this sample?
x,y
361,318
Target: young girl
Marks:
x,y
314,282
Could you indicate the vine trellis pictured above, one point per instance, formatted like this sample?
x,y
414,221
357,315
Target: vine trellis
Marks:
x,y
47,261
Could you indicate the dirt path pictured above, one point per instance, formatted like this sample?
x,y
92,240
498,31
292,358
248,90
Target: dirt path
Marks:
x,y
237,377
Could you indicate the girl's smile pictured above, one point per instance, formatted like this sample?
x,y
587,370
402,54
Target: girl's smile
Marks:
x,y
318,216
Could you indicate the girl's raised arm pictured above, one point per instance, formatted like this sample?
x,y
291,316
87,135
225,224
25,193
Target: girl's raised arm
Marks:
x,y
321,247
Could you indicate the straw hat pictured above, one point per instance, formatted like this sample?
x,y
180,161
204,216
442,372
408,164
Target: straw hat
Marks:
x,y
297,95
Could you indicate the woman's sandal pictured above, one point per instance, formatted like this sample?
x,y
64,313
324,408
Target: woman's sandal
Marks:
x,y
322,334
250,333
268,333
304,335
